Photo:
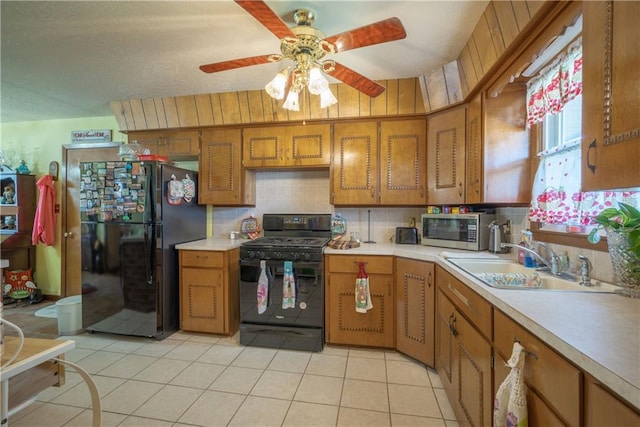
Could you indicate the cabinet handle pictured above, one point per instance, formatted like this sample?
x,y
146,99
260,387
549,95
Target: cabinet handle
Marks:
x,y
526,352
591,166
452,322
458,294
460,189
389,288
429,279
421,191
68,234
373,192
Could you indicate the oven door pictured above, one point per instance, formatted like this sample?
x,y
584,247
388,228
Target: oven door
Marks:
x,y
309,306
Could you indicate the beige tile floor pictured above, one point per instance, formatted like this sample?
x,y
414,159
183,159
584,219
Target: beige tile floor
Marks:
x,y
208,380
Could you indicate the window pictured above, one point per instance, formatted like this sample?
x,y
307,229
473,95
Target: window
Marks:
x,y
554,102
564,128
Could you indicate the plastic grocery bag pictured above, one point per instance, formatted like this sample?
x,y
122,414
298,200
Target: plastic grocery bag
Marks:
x,y
510,405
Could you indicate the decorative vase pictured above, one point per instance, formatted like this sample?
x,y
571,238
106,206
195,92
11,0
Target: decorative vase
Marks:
x,y
626,264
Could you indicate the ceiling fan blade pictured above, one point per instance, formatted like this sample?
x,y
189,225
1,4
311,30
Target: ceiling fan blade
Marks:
x,y
267,17
356,80
378,32
236,63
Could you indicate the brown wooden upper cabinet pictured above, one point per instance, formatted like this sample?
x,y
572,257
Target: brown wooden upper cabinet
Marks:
x,y
611,95
287,146
379,163
446,145
222,180
177,145
498,148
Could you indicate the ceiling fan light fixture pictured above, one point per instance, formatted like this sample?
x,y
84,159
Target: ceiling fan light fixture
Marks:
x,y
292,103
317,82
327,98
276,87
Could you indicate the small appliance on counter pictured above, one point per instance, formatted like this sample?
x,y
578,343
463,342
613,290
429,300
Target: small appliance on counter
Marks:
x,y
468,231
498,234
407,235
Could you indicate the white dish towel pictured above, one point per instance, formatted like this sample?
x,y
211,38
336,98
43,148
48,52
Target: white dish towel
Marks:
x,y
510,405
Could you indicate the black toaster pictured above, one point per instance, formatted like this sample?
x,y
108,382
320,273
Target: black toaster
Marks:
x,y
407,235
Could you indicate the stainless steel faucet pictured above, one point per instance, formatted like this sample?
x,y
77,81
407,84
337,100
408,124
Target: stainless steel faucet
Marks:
x,y
585,271
553,263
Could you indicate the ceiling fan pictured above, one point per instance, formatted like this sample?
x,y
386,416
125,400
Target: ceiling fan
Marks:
x,y
306,47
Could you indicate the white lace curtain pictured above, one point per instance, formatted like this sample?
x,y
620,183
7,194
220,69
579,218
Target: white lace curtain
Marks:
x,y
557,196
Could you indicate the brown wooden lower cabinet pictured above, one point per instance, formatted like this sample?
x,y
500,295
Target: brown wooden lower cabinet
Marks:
x,y
463,361
346,326
603,408
209,299
554,384
415,304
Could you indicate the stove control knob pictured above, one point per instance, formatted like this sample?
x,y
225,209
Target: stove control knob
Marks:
x,y
261,255
277,255
251,254
307,256
295,255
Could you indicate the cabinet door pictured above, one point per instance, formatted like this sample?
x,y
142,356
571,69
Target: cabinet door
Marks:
x,y
474,177
308,145
538,412
147,139
402,162
611,95
463,361
181,144
602,408
415,305
175,145
222,180
263,147
446,142
445,344
202,300
506,148
354,166
472,357
547,373
346,326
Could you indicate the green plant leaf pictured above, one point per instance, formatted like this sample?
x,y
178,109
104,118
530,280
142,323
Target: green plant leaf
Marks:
x,y
629,210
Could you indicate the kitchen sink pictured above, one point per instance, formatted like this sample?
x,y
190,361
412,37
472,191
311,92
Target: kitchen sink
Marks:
x,y
496,273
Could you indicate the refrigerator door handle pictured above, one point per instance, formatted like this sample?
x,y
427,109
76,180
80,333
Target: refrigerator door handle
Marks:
x,y
149,253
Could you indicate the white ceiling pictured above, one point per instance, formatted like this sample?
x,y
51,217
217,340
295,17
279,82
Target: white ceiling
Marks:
x,y
65,59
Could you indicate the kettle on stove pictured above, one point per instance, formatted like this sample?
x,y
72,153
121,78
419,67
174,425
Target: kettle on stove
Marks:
x,y
497,236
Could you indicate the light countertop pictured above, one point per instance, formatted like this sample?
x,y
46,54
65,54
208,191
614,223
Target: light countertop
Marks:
x,y
598,332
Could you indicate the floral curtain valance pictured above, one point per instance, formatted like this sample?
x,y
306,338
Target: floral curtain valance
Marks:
x,y
557,195
556,85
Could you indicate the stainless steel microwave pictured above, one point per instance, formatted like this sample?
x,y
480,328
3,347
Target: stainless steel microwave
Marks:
x,y
468,231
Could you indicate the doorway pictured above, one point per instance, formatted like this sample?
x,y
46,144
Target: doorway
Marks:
x,y
72,155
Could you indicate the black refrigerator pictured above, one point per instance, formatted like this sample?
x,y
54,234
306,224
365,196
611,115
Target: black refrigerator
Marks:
x,y
133,214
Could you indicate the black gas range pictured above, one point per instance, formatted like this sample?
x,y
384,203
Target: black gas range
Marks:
x,y
298,239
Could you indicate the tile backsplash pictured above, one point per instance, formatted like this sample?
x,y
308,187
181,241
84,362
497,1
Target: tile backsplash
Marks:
x,y
308,192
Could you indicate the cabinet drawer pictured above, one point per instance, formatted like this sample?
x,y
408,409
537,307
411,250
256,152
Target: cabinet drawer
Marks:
x,y
548,373
349,264
201,259
472,305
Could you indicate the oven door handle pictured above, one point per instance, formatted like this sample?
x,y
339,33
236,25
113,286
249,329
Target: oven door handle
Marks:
x,y
278,263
